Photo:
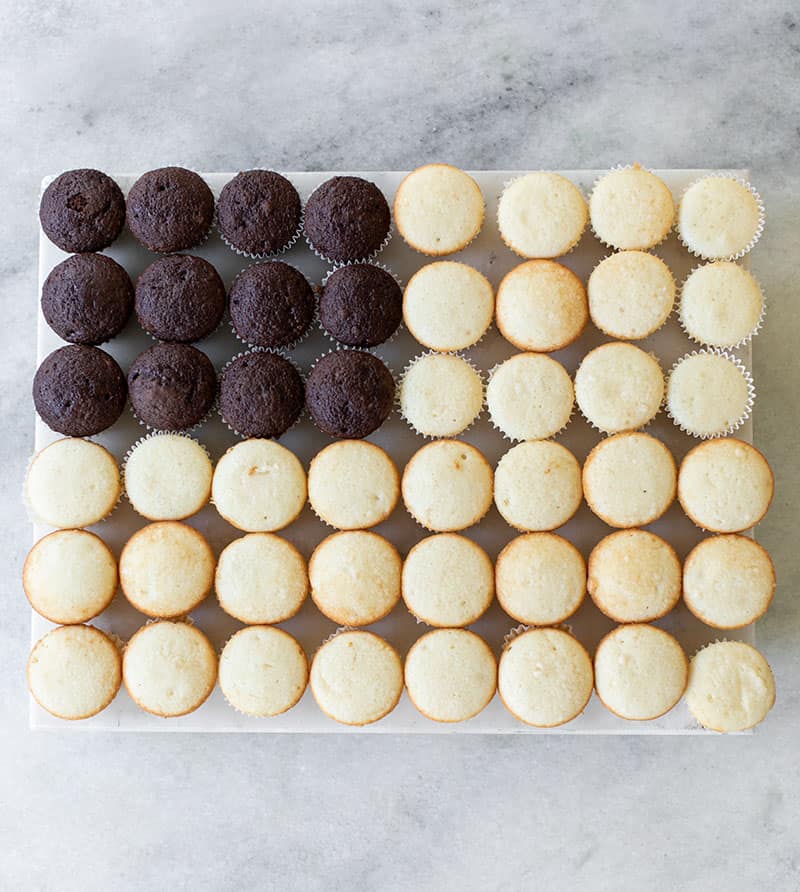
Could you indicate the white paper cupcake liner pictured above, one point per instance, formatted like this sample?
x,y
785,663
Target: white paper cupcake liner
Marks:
x,y
151,436
516,631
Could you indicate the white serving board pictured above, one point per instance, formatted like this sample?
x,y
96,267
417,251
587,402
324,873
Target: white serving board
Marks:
x,y
490,255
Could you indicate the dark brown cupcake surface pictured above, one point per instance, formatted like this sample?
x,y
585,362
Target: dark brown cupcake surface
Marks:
x,y
79,391
361,305
172,386
82,210
170,209
180,298
349,394
258,212
87,298
347,218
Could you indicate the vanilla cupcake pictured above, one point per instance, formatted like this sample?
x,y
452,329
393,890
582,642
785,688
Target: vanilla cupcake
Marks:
x,y
450,675
447,486
728,581
353,484
640,672
634,576
541,214
530,397
619,387
537,485
631,208
725,486
720,218
541,306
440,394
540,579
447,580
438,209
545,677
721,305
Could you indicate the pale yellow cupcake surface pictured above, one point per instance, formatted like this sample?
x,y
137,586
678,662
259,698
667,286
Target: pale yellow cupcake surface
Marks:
x,y
719,218
440,394
721,304
631,208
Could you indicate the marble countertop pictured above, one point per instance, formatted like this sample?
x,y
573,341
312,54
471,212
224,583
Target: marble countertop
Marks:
x,y
327,85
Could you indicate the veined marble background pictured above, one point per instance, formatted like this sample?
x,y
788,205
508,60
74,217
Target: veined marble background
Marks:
x,y
327,85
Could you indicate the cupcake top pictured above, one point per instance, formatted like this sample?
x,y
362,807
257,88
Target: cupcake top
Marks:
x,y
731,686
356,678
259,486
261,578
728,581
450,675
721,304
167,477
640,671
70,576
166,569
347,218
79,391
272,305
720,218
440,394
634,576
541,214
172,386
619,387
87,299
631,294
545,677
355,577
631,208
447,486
709,394
360,305
74,672
541,306
537,485
180,298
353,484
438,209
349,394
448,306
448,580
72,483
541,579
82,210
262,671
725,486
258,212
629,479
170,209
260,395
169,668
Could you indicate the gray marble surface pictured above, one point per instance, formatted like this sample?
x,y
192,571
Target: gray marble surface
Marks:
x,y
367,85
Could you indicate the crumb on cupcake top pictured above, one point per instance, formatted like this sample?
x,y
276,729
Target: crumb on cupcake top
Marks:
x,y
82,210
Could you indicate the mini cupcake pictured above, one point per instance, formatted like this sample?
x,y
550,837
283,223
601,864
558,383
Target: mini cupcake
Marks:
x,y
170,209
79,391
537,486
82,210
87,299
438,209
631,208
722,305
360,305
448,306
440,394
447,581
447,486
541,306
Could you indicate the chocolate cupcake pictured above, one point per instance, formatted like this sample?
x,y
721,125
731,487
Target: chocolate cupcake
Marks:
x,y
87,299
180,298
347,218
79,391
260,395
258,213
272,305
361,305
349,394
170,209
82,210
172,386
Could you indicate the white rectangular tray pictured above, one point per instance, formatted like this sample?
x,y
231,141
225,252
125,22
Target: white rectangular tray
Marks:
x,y
490,255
